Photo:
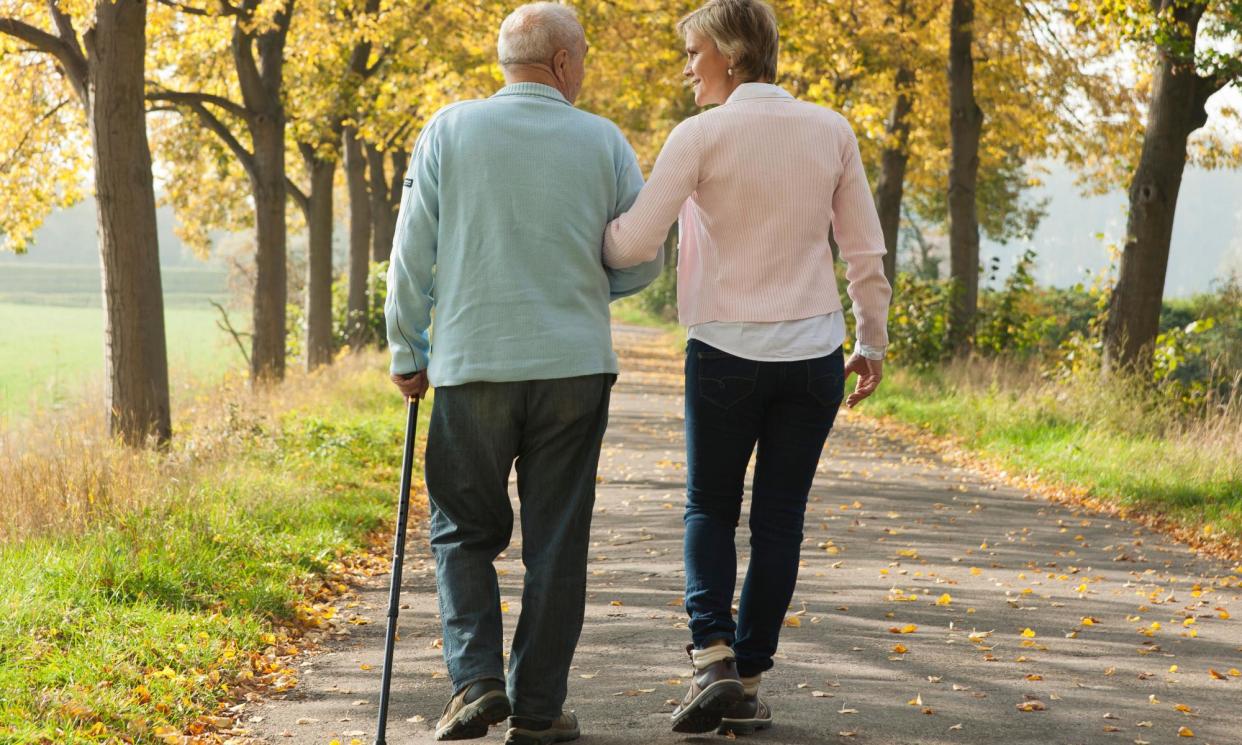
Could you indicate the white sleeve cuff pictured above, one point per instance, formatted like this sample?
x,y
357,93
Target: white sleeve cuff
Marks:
x,y
871,353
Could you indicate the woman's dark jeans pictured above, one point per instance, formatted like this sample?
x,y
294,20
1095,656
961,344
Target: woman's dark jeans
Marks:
x,y
732,403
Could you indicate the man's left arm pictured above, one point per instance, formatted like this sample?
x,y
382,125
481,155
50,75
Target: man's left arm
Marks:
x,y
407,308
628,281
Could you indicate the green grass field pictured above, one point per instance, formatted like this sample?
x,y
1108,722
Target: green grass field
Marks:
x,y
52,354
79,286
171,602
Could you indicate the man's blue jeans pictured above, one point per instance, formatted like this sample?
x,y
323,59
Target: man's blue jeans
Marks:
x,y
732,404
553,430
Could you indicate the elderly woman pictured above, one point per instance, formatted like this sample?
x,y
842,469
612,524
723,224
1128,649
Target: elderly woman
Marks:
x,y
757,185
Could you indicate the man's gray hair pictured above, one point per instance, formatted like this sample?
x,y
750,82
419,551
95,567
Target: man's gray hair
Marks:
x,y
535,32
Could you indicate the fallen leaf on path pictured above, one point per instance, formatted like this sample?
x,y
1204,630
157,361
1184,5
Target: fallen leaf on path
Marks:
x,y
901,649
1032,706
1217,675
1183,708
955,727
944,599
916,701
1028,633
907,629
1185,732
820,694
793,622
845,710
417,719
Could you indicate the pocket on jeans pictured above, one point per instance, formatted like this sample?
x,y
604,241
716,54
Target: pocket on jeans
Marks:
x,y
723,379
826,379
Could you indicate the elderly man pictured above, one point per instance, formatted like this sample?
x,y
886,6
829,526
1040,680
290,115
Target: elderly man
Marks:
x,y
500,229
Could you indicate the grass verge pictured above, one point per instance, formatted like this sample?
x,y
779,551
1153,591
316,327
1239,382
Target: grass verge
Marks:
x,y
182,580
1102,443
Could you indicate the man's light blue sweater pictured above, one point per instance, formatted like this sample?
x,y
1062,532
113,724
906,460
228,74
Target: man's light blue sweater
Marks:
x,y
500,231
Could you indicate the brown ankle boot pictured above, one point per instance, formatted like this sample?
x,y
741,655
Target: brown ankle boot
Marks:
x,y
714,690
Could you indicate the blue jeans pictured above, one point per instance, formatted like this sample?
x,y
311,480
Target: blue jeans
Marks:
x,y
553,430
732,404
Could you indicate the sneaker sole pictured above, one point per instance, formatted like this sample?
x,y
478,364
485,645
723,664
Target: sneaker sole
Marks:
x,y
706,712
742,726
475,718
517,736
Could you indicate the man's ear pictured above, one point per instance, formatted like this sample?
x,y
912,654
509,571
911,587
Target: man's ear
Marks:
x,y
560,64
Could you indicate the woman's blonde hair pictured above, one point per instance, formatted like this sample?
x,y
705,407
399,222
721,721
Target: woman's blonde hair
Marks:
x,y
744,31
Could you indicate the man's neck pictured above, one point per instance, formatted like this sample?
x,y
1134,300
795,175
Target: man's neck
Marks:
x,y
532,74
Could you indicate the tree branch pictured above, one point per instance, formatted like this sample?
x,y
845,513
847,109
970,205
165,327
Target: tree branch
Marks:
x,y
8,162
185,8
65,26
180,97
69,56
299,197
213,123
224,324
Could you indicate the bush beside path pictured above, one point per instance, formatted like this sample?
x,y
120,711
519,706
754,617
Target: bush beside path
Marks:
x,y
935,605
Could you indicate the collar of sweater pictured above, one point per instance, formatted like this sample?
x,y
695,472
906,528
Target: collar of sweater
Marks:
x,y
751,91
532,89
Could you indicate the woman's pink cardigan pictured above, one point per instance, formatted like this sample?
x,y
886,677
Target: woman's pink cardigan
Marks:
x,y
756,184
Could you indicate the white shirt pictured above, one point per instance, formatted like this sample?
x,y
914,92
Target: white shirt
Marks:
x,y
780,341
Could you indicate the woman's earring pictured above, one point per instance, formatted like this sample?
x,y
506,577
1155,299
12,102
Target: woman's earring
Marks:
x,y
730,72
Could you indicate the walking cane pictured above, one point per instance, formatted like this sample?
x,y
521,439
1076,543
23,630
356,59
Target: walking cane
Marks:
x,y
398,558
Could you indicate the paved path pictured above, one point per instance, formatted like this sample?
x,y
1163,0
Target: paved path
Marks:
x,y
896,540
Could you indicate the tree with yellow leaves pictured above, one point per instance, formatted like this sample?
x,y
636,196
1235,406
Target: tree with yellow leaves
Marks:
x,y
225,70
1194,47
97,50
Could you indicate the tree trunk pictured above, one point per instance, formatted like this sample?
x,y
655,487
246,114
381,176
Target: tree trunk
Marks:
x,y
400,164
1179,98
359,238
377,184
261,81
267,356
136,360
319,260
893,161
966,123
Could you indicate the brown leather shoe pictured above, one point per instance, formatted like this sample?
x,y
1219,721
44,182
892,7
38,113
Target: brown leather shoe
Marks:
x,y
523,731
473,709
714,690
746,717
